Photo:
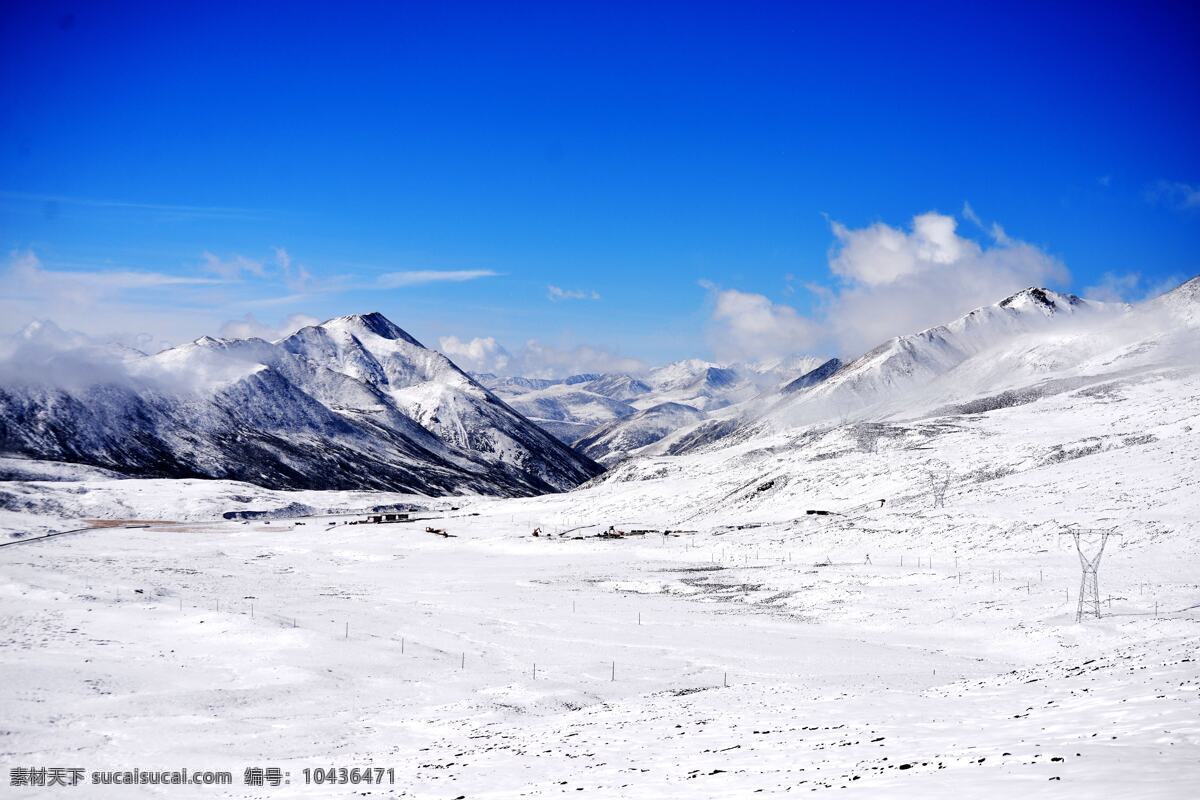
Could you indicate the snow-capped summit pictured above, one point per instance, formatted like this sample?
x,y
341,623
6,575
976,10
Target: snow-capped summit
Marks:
x,y
373,323
1046,301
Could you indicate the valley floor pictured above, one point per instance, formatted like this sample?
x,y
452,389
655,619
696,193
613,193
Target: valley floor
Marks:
x,y
694,665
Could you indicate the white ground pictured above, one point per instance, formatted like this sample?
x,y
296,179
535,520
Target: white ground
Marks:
x,y
961,673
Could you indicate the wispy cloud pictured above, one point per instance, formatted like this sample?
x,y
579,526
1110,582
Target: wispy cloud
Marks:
x,y
270,302
398,280
750,326
1174,194
50,203
1114,287
233,267
26,272
1129,287
295,276
556,293
116,302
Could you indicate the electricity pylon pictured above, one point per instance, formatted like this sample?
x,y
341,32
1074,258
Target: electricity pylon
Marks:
x,y
939,481
1089,586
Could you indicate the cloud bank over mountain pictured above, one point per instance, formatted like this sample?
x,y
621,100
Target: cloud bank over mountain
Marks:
x,y
534,359
884,282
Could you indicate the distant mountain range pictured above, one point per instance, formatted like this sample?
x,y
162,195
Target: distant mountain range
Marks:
x,y
358,403
609,416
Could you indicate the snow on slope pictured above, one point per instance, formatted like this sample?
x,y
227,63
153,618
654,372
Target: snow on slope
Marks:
x,y
353,403
1011,341
617,441
712,663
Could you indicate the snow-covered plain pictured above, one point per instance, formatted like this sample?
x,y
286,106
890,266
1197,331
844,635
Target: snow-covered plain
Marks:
x,y
752,650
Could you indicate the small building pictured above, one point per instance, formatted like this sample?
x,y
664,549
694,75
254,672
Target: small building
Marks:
x,y
387,518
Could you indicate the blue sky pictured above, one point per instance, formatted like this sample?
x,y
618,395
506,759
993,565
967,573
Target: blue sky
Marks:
x,y
679,172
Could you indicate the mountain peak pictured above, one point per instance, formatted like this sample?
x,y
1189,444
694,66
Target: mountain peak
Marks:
x,y
374,322
1045,300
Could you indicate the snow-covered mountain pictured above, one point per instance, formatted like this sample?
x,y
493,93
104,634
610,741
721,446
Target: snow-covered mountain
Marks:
x,y
612,443
569,408
592,411
352,403
1035,343
910,364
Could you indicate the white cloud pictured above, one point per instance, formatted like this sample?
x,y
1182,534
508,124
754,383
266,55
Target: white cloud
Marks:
x,y
891,282
537,360
249,326
1175,194
397,280
481,354
880,254
534,359
556,293
748,326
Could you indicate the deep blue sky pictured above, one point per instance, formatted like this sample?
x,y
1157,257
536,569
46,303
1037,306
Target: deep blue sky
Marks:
x,y
626,149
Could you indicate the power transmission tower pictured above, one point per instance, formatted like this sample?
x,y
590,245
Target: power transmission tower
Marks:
x,y
939,481
1089,560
